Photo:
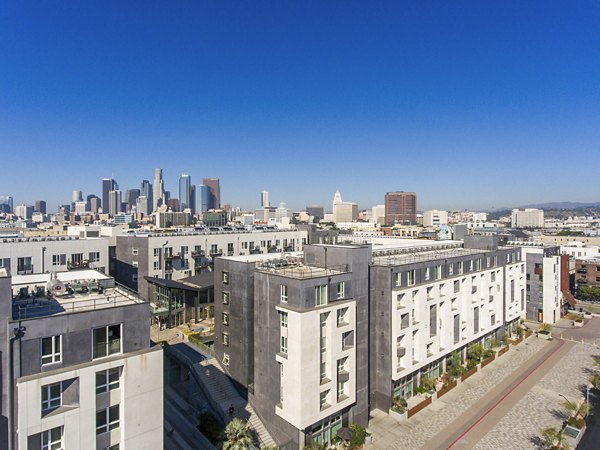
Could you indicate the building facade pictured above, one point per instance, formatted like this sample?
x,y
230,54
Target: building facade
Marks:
x,y
527,218
75,369
400,208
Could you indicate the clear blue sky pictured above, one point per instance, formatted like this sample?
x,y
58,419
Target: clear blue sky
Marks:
x,y
472,104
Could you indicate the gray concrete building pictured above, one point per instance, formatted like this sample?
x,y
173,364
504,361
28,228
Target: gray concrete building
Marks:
x,y
77,367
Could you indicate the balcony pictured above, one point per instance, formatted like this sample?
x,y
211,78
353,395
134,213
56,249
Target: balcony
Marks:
x,y
172,256
85,264
196,254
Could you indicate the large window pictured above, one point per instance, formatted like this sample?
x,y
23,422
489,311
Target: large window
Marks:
x,y
341,290
106,341
283,348
51,397
52,439
225,318
24,265
107,380
410,277
59,260
107,419
321,295
51,350
224,275
283,319
94,256
283,290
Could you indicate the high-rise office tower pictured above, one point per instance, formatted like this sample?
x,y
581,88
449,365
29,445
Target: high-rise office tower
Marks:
x,y
76,197
400,208
143,205
214,192
193,199
158,190
40,206
24,211
131,196
184,191
264,199
6,203
203,198
108,184
114,202
94,203
146,191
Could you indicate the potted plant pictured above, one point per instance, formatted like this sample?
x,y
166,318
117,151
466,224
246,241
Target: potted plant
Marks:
x,y
428,384
398,409
544,331
578,322
454,365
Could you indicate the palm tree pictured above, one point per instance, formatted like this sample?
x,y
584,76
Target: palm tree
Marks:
x,y
577,410
237,435
554,440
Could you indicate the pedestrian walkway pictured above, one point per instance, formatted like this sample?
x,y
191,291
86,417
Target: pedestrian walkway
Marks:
x,y
221,389
417,431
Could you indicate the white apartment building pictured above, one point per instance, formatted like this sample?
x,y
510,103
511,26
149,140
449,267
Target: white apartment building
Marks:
x,y
435,218
22,256
527,218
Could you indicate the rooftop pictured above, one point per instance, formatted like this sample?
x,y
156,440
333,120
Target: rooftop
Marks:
x,y
39,295
423,255
293,267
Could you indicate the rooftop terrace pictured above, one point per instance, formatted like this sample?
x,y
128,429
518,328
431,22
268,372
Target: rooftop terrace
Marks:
x,y
411,256
84,290
293,267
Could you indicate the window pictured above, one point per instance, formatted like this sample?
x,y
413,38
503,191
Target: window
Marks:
x,y
341,316
225,318
51,350
323,370
107,419
341,288
471,265
427,274
283,291
321,295
51,397
184,249
340,389
52,439
410,277
107,380
400,301
450,269
398,279
457,286
493,276
438,272
225,277
459,267
323,344
225,337
225,359
283,319
226,298
156,265
24,265
323,399
106,341
134,251
59,260
341,365
283,347
323,318
156,252
404,321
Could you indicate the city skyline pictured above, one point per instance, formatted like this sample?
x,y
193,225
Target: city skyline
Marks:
x,y
453,101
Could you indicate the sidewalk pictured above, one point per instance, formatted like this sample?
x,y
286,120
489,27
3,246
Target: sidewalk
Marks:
x,y
417,431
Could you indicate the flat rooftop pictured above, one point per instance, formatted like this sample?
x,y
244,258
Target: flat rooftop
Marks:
x,y
82,290
293,267
421,255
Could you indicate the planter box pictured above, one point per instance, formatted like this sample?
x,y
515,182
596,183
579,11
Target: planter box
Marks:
x,y
468,373
573,435
397,416
446,389
517,341
503,350
587,315
546,336
419,407
487,361
578,324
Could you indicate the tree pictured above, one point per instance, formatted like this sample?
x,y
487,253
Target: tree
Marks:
x,y
577,411
358,436
237,435
475,352
455,367
554,439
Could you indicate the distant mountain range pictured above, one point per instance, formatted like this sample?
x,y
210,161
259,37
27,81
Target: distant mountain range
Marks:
x,y
554,205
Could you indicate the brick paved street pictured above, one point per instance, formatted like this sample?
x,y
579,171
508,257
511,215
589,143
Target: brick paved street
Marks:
x,y
414,433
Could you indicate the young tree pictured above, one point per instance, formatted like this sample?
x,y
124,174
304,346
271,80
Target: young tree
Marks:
x,y
237,435
554,439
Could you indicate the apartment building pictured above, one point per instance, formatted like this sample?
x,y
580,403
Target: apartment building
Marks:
x,y
544,294
527,218
28,255
587,271
428,302
294,333
77,367
174,256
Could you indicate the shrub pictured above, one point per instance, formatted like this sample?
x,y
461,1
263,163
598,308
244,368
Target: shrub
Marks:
x,y
454,366
488,353
471,363
358,436
428,383
576,422
545,327
399,405
475,352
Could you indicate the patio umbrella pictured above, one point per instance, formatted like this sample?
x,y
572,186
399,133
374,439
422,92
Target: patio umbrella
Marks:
x,y
344,433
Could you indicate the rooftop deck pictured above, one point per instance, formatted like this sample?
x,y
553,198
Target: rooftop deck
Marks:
x,y
294,268
85,290
411,256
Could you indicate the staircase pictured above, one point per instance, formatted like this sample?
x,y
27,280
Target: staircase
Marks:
x,y
221,389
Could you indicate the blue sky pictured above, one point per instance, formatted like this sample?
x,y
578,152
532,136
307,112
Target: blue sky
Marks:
x,y
471,104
